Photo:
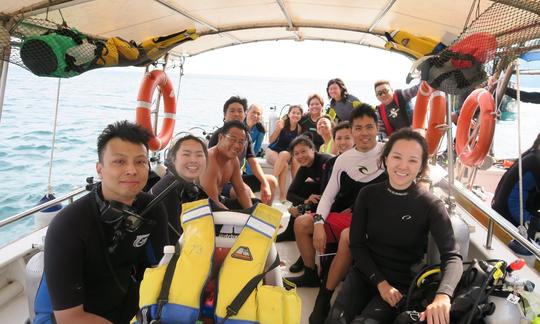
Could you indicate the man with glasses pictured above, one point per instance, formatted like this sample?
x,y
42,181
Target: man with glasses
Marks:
x,y
395,111
224,167
235,109
98,247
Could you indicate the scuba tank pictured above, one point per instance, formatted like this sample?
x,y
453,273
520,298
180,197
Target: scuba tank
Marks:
x,y
34,272
272,119
505,312
461,233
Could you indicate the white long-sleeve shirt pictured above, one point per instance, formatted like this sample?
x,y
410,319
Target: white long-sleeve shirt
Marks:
x,y
351,167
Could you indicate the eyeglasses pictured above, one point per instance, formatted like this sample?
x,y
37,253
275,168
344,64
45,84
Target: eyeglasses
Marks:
x,y
382,92
235,140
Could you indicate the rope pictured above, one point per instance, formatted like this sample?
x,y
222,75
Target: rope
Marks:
x,y
49,185
182,60
520,167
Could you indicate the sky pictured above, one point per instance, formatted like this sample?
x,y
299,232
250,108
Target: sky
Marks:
x,y
307,59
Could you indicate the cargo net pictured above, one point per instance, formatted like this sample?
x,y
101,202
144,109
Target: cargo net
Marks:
x,y
11,40
48,49
495,38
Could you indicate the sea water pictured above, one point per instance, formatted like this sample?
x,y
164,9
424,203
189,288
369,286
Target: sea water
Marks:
x,y
89,102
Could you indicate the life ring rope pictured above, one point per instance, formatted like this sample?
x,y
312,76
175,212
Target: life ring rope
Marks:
x,y
151,81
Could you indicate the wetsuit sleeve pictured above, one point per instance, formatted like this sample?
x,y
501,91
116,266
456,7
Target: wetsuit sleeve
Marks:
x,y
332,188
171,203
451,261
64,267
410,93
296,186
524,96
358,240
159,237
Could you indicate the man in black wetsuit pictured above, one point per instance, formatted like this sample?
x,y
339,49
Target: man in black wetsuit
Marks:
x,y
98,247
394,111
235,109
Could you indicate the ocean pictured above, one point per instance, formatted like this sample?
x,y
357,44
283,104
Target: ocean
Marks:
x,y
94,99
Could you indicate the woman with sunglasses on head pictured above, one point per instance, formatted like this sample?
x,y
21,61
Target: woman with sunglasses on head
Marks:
x,y
277,154
186,162
341,102
395,110
388,234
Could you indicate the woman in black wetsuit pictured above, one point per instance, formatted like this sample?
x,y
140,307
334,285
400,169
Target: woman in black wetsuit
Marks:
x,y
388,234
186,162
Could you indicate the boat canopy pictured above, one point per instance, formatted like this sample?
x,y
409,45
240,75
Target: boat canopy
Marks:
x,y
234,22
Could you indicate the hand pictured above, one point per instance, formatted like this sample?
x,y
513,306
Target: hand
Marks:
x,y
347,210
266,194
319,238
293,211
388,293
438,312
312,199
280,124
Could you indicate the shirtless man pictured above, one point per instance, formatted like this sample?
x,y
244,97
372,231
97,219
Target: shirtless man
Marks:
x,y
235,109
224,166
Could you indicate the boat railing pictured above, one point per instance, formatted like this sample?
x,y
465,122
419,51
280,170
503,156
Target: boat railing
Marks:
x,y
29,212
495,218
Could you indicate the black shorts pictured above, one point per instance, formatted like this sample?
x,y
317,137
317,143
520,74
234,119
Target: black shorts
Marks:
x,y
252,182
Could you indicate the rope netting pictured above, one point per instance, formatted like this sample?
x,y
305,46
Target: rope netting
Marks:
x,y
55,50
504,31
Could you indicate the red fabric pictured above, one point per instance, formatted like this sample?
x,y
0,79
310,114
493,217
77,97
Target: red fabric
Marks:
x,y
335,224
384,117
481,46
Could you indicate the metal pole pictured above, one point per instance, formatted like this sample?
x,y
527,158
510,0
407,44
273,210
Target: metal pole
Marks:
x,y
3,80
489,238
450,102
520,166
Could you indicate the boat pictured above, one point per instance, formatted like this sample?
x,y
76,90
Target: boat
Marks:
x,y
221,24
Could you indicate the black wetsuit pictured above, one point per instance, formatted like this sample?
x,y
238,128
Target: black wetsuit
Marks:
x,y
388,236
80,270
310,127
506,199
184,192
307,180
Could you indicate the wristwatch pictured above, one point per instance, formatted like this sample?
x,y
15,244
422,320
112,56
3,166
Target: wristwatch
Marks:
x,y
317,218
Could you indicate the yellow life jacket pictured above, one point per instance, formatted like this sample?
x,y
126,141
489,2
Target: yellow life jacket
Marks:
x,y
192,269
412,45
245,260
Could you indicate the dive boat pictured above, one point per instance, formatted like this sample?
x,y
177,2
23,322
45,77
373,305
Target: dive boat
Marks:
x,y
415,29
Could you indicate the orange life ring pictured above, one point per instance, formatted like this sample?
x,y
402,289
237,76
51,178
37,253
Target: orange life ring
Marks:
x,y
420,107
473,155
437,118
144,104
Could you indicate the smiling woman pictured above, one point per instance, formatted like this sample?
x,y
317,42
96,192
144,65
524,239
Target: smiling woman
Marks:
x,y
402,214
186,163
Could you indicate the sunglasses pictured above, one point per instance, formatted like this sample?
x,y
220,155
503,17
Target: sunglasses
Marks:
x,y
382,92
